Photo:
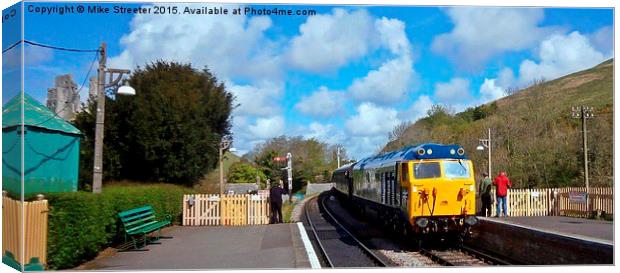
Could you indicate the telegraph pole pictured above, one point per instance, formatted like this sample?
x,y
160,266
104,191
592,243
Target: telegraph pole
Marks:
x,y
99,123
224,144
115,77
584,113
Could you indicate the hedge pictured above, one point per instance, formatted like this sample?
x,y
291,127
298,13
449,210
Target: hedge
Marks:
x,y
81,224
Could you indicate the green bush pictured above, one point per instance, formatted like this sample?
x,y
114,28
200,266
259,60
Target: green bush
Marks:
x,y
81,224
240,172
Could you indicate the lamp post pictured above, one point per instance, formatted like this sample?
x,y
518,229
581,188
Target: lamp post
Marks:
x,y
338,155
224,144
486,143
114,78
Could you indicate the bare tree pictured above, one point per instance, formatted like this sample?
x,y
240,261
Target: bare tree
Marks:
x,y
399,130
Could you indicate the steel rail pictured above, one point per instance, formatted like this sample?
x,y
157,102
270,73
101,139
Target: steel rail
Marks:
x,y
316,236
435,257
369,252
485,257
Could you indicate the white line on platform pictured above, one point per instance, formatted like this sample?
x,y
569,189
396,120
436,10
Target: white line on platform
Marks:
x,y
314,260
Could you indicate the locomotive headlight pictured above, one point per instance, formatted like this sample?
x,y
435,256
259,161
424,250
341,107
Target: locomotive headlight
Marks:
x,y
421,222
452,151
461,151
471,187
421,151
429,151
414,189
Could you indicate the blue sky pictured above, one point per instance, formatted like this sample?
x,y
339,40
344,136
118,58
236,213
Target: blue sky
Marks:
x,y
345,76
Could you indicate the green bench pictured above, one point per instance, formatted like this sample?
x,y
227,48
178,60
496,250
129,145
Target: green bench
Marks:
x,y
139,222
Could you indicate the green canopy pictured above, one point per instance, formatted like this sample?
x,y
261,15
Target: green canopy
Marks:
x,y
35,114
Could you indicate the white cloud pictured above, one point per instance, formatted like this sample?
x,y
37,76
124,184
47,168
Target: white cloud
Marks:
x,y
231,46
454,91
260,99
329,41
560,55
489,91
321,103
481,33
372,120
603,40
393,79
265,128
417,110
393,36
327,133
364,146
387,84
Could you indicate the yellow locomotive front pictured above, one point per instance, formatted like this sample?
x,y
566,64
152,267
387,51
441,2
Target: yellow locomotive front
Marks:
x,y
442,195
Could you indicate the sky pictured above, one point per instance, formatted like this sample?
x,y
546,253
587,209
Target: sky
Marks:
x,y
347,75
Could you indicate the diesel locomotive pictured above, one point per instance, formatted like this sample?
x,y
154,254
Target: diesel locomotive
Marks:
x,y
424,189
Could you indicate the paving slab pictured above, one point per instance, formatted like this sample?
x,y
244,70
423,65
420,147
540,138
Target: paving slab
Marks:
x,y
596,230
257,247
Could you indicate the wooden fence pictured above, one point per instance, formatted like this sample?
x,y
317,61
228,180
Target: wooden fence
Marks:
x,y
35,227
227,210
557,202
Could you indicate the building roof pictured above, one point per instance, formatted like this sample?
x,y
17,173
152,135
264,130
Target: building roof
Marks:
x,y
35,115
241,188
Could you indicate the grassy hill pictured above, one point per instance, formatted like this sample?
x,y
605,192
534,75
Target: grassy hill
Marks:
x,y
211,182
535,139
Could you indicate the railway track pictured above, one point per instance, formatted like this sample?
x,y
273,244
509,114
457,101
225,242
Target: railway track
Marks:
x,y
338,246
463,256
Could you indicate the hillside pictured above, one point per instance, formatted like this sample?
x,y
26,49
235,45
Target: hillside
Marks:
x,y
535,139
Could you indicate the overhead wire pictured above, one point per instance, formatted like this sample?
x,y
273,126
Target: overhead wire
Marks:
x,y
49,46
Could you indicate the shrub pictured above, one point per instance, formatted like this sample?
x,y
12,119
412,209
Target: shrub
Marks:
x,y
241,172
81,224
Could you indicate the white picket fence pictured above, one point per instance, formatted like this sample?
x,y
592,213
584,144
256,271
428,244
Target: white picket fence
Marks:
x,y
225,210
557,201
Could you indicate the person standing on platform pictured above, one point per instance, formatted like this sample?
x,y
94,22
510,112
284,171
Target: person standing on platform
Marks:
x,y
275,201
485,195
502,184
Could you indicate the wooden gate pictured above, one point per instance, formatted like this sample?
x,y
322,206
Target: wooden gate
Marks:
x,y
227,210
35,227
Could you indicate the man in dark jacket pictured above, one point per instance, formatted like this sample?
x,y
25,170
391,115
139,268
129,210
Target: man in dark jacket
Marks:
x,y
275,200
485,195
502,184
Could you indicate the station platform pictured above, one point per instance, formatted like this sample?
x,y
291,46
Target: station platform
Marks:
x,y
586,229
545,240
278,246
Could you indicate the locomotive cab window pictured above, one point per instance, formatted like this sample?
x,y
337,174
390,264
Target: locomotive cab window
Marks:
x,y
456,169
426,170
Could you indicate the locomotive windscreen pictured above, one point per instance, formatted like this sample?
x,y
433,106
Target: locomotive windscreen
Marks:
x,y
426,170
455,169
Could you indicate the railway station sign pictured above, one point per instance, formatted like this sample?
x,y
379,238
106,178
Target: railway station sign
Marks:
x,y
577,197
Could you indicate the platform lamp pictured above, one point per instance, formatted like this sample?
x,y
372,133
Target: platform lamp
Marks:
x,y
486,143
113,82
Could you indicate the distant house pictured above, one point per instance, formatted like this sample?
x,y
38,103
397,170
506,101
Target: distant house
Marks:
x,y
241,188
51,149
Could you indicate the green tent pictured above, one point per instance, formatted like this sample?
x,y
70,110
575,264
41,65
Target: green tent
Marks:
x,y
51,148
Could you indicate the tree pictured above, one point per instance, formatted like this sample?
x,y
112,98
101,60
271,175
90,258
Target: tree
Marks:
x,y
168,132
241,172
399,130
